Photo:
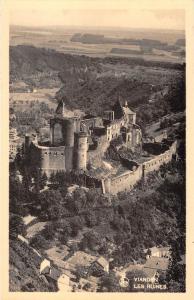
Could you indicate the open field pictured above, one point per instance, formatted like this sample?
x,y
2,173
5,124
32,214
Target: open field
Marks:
x,y
60,40
41,95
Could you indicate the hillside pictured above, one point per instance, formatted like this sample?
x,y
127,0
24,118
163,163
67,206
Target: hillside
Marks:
x,y
93,84
24,267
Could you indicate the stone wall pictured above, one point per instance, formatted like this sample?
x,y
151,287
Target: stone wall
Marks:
x,y
163,158
51,159
114,129
92,122
123,182
127,180
83,179
95,156
132,137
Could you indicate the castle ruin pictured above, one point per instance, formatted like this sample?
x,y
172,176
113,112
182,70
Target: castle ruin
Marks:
x,y
73,140
79,144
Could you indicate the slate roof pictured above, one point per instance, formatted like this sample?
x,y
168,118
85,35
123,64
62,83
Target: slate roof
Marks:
x,y
54,274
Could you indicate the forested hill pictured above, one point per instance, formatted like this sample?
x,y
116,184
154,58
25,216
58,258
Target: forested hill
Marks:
x,y
93,84
28,60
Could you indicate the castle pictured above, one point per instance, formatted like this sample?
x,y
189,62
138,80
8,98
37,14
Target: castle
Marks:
x,y
74,141
80,144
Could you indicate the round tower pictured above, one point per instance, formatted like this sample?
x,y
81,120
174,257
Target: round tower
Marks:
x,y
80,148
68,132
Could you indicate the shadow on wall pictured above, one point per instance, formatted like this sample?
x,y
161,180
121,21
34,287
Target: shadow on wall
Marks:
x,y
155,148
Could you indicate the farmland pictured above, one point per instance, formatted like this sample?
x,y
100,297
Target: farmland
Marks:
x,y
60,39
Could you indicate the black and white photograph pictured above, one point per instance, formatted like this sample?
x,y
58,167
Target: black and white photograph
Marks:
x,y
97,164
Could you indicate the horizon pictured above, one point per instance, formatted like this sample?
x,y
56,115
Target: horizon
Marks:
x,y
159,19
95,27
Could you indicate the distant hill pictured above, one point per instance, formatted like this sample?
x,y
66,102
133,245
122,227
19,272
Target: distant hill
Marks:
x,y
180,42
126,51
26,61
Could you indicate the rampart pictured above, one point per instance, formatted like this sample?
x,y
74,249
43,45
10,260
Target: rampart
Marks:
x,y
163,158
127,180
122,182
51,159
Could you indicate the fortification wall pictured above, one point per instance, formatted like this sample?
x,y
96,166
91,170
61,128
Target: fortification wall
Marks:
x,y
95,156
83,179
123,182
127,180
51,159
163,158
92,122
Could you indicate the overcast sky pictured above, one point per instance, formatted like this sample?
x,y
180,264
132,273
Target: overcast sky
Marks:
x,y
100,16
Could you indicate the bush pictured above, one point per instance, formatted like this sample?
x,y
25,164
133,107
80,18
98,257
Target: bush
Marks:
x,y
39,242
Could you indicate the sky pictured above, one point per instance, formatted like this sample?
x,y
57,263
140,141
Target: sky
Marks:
x,y
128,15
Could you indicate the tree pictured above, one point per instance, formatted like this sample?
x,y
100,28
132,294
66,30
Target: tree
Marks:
x,y
76,225
43,180
19,196
109,283
16,226
87,286
92,240
50,202
39,242
49,231
91,219
81,272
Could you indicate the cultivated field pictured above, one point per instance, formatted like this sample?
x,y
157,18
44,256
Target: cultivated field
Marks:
x,y
60,40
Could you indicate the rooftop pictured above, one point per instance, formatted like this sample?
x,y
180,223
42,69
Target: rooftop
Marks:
x,y
81,258
54,273
102,261
157,263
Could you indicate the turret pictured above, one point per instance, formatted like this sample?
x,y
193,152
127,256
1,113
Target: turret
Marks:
x,y
80,151
62,131
68,132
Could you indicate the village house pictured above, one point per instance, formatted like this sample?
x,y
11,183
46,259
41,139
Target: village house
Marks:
x,y
55,276
102,264
157,252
